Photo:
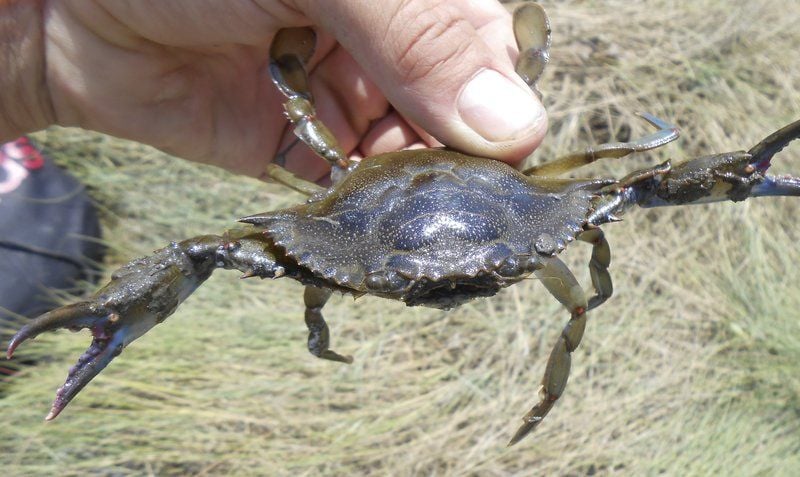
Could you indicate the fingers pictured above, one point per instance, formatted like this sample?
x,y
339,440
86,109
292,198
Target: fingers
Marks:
x,y
436,63
75,316
390,133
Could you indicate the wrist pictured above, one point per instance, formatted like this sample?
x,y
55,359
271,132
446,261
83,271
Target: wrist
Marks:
x,y
24,99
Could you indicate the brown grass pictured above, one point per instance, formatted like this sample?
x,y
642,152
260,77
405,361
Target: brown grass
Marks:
x,y
692,368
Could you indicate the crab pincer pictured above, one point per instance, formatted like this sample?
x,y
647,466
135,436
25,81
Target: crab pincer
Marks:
x,y
139,296
142,294
109,337
761,160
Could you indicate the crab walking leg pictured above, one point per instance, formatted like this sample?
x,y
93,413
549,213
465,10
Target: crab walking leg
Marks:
x,y
282,176
666,133
533,35
598,266
561,283
289,53
144,293
319,335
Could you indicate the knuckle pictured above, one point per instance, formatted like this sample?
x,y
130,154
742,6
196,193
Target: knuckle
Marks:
x,y
427,42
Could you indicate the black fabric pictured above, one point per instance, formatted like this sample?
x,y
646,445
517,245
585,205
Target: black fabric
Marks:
x,y
49,232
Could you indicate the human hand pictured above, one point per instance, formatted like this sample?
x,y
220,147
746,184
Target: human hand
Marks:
x,y
189,77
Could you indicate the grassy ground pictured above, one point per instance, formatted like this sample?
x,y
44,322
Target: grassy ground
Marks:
x,y
692,368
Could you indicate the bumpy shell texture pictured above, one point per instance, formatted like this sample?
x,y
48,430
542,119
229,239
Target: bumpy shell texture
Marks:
x,y
433,216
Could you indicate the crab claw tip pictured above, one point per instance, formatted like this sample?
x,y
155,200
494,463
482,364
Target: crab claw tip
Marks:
x,y
15,342
522,432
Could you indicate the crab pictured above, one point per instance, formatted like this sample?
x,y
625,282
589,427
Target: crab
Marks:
x,y
433,227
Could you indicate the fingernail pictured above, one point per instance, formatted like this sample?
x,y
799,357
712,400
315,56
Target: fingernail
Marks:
x,y
497,108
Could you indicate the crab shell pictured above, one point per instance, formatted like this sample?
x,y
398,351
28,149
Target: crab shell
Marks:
x,y
433,228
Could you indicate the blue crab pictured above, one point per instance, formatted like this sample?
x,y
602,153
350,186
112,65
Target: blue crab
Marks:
x,y
431,227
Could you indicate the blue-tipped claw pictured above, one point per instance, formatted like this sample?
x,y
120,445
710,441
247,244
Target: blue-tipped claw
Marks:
x,y
763,152
777,186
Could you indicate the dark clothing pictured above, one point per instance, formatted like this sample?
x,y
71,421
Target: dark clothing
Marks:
x,y
49,232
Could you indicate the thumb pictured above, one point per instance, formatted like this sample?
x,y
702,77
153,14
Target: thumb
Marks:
x,y
445,65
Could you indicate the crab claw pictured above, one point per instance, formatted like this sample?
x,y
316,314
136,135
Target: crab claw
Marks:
x,y
761,159
140,295
110,335
762,153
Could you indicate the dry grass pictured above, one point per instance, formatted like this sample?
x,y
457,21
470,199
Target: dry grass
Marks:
x,y
692,368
